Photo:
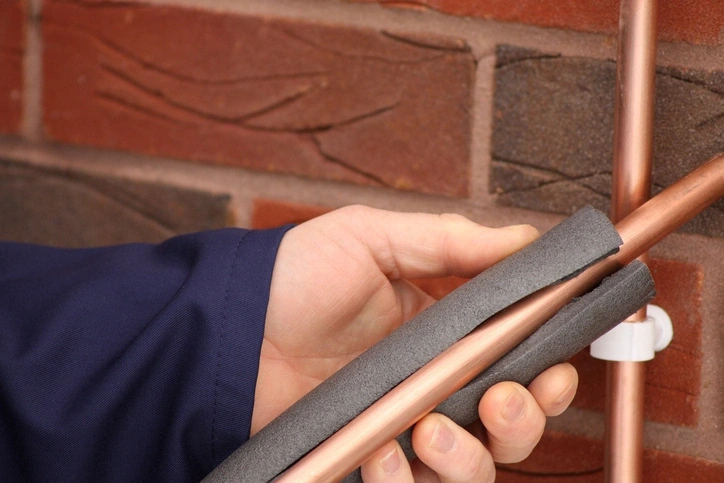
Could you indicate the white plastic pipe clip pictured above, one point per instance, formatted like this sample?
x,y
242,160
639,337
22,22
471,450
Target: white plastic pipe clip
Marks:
x,y
636,341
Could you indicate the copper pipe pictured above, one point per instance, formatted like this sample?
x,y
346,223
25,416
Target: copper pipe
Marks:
x,y
623,460
407,403
632,153
633,108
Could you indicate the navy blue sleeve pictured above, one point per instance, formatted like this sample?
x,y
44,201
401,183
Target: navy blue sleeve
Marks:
x,y
130,363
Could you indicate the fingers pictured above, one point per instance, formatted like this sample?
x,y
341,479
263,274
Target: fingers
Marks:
x,y
387,465
515,417
448,453
416,245
555,388
513,420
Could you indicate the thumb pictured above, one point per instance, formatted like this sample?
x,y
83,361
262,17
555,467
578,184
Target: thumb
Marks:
x,y
418,245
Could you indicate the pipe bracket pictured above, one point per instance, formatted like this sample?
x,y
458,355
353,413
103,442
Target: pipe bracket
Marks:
x,y
635,341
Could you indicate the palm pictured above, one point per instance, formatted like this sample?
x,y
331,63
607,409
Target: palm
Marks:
x,y
343,304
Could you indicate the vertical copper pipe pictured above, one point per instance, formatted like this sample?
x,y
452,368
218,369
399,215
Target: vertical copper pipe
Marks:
x,y
633,140
624,417
634,107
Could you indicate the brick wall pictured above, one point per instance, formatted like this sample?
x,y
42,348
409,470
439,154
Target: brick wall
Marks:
x,y
12,47
136,120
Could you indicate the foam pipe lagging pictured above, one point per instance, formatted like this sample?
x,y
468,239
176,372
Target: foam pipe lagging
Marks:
x,y
564,251
571,330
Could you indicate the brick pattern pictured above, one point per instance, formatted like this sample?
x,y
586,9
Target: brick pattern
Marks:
x,y
559,458
321,101
694,21
59,208
266,213
673,378
565,458
553,131
12,47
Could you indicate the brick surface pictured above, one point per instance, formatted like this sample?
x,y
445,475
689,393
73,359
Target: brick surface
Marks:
x,y
661,467
673,378
12,47
321,101
553,131
274,213
560,458
696,21
565,458
59,208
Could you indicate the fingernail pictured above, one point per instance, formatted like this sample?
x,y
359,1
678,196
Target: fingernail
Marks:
x,y
391,462
514,407
443,439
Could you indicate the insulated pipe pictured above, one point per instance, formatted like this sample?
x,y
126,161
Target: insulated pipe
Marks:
x,y
632,153
420,393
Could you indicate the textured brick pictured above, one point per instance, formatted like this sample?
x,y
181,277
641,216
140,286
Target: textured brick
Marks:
x,y
274,213
12,47
553,132
59,208
321,101
661,467
673,378
696,21
560,458
565,458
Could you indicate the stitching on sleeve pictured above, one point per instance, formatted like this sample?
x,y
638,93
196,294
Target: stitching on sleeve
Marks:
x,y
221,345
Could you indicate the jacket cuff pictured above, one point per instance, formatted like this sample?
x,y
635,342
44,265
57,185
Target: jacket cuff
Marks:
x,y
241,332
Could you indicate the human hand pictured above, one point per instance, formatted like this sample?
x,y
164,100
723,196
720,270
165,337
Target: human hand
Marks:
x,y
341,283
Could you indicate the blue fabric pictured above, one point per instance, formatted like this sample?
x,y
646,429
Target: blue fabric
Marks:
x,y
130,363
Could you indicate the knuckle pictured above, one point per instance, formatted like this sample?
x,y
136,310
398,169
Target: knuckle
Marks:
x,y
354,211
478,466
454,218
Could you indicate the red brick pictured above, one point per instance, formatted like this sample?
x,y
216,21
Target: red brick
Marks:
x,y
12,47
673,378
322,101
661,467
274,213
565,458
559,457
695,21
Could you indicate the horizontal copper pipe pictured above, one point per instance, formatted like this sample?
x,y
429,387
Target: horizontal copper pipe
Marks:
x,y
412,399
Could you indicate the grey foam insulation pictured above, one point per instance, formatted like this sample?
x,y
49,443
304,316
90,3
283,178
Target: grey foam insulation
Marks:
x,y
564,251
571,330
